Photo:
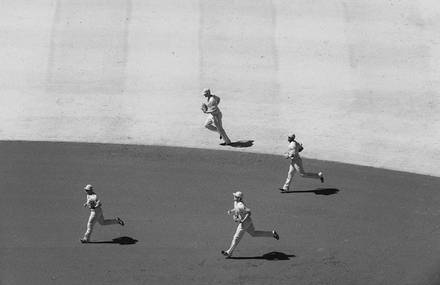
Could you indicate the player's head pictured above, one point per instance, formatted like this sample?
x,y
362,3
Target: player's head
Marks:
x,y
88,188
238,196
291,138
206,92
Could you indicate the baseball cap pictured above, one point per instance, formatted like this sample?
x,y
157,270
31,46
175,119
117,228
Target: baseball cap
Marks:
x,y
206,91
238,194
291,136
88,187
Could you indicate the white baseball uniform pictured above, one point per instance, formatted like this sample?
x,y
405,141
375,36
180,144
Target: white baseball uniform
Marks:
x,y
245,226
96,215
214,120
296,165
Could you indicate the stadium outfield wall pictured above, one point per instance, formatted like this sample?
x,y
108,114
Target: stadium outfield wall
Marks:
x,y
357,81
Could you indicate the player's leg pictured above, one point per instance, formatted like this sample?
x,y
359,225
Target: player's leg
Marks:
x,y
218,123
254,233
300,168
90,224
209,123
102,221
290,174
105,222
236,239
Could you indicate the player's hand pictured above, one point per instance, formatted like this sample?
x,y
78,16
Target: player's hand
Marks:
x,y
229,212
204,108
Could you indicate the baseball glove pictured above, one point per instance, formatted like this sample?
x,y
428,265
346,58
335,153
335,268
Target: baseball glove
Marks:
x,y
236,218
301,148
204,108
92,204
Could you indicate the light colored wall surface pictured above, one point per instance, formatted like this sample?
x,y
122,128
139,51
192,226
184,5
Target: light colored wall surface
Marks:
x,y
357,81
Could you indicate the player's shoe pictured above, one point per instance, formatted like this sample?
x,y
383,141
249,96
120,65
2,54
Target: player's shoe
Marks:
x,y
226,254
283,189
83,240
121,222
275,235
321,177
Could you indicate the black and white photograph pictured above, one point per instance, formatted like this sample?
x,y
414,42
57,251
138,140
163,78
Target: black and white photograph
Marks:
x,y
220,142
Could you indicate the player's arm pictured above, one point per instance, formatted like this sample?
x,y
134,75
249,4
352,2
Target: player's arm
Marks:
x,y
232,211
245,217
204,108
248,214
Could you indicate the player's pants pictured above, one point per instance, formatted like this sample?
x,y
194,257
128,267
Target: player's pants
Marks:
x,y
96,215
246,226
214,123
297,165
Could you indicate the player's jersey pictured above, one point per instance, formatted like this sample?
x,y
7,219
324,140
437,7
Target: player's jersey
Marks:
x,y
93,201
213,104
241,210
293,150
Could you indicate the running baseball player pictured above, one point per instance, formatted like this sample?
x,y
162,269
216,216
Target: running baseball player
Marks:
x,y
214,120
296,163
96,215
242,215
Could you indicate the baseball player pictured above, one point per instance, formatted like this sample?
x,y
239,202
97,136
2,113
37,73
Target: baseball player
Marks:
x,y
214,120
96,215
296,163
242,215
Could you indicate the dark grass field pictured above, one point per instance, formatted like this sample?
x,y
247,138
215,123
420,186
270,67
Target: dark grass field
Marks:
x,y
363,226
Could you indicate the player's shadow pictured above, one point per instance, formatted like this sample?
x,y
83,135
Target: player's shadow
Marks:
x,y
274,255
241,143
120,240
319,191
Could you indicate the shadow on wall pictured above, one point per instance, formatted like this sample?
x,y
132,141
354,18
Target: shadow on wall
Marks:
x,y
274,255
120,240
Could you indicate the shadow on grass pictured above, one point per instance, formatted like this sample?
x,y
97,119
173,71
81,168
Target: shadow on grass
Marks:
x,y
119,240
243,143
274,255
319,191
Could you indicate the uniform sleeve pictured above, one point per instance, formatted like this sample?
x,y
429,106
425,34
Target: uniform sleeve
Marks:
x,y
213,101
240,207
97,202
